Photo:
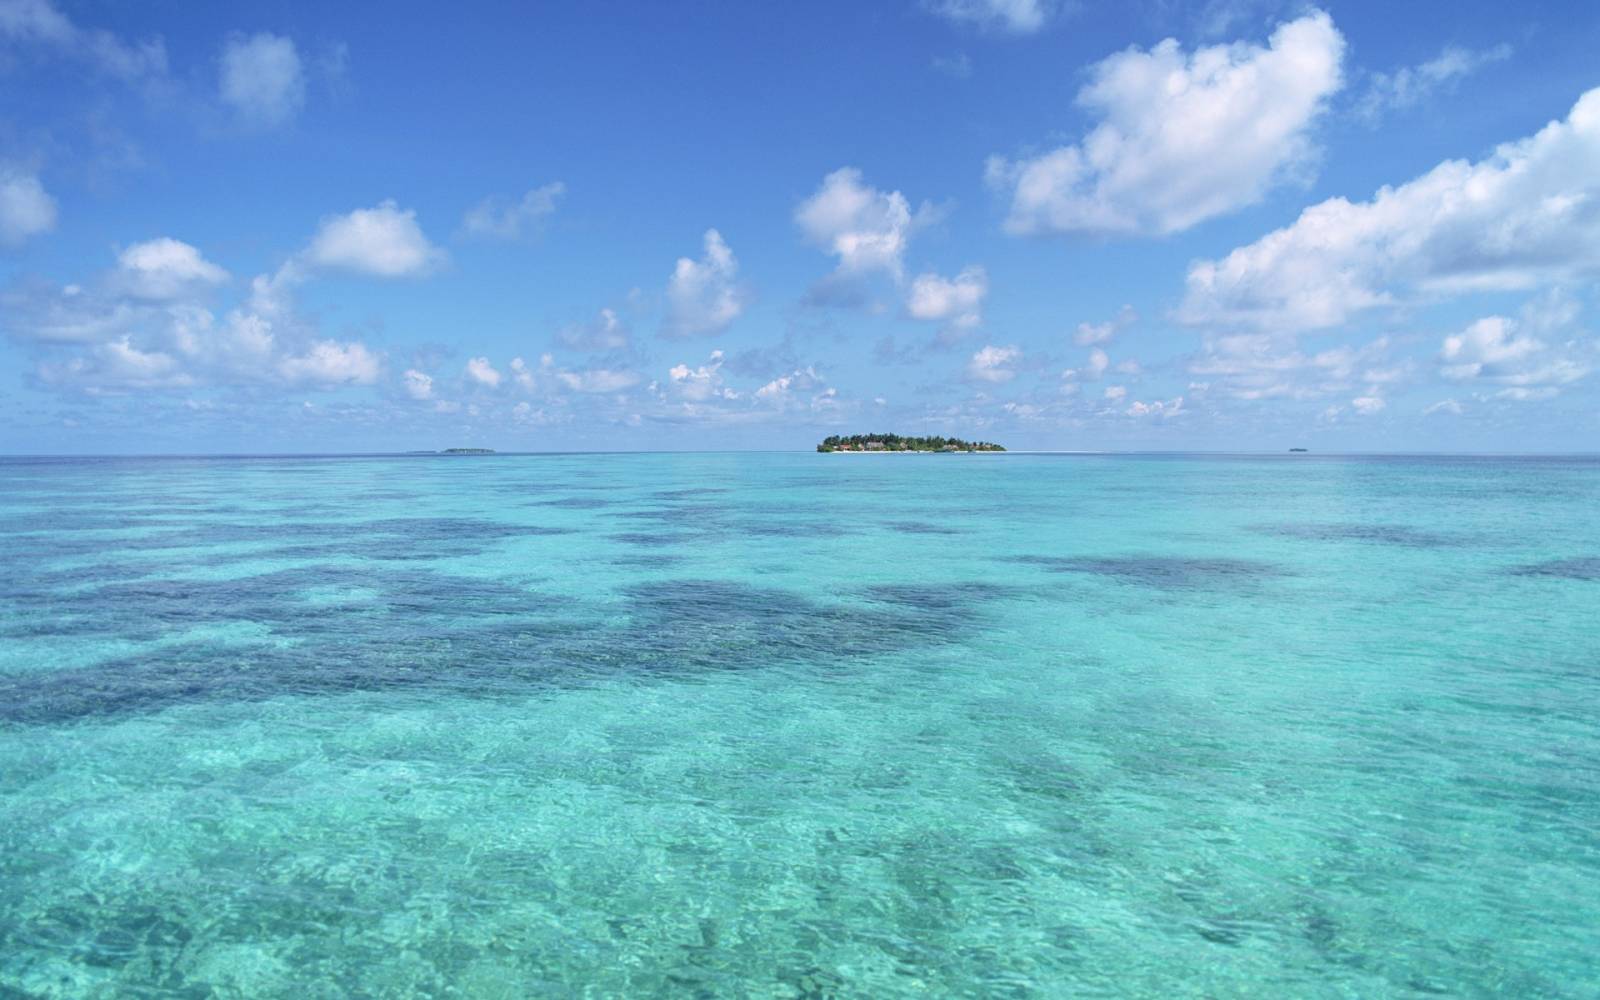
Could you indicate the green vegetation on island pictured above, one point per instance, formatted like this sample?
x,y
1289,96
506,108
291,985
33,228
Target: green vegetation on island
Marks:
x,y
894,442
467,451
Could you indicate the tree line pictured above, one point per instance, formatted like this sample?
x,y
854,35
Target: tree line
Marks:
x,y
897,442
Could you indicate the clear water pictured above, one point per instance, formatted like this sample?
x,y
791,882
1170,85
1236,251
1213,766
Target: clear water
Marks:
x,y
800,725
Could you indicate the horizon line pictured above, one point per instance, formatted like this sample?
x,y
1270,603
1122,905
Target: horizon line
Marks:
x,y
491,453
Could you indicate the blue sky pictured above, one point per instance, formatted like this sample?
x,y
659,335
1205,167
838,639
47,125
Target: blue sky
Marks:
x,y
1231,224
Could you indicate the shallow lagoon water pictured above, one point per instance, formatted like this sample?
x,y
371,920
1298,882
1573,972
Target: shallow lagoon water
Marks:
x,y
800,725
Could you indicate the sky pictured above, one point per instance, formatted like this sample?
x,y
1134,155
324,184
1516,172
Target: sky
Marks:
x,y
1143,225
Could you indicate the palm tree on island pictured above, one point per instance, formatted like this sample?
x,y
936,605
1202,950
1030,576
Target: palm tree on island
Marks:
x,y
894,442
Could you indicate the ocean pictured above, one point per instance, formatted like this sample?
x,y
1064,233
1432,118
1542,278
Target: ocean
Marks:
x,y
800,725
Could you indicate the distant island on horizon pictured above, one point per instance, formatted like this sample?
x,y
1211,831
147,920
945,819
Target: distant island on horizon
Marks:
x,y
452,451
895,442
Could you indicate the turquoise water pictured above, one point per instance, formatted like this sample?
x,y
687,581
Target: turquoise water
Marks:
x,y
800,725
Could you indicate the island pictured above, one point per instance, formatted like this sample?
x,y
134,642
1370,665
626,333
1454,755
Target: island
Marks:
x,y
895,442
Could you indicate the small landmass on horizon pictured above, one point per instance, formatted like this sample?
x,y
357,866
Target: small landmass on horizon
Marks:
x,y
453,451
895,442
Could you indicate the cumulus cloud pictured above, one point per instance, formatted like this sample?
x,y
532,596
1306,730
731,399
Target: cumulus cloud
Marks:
x,y
39,22
606,332
1089,334
866,229
782,387
1183,137
329,363
994,364
1114,393
384,241
261,78
1157,408
703,296
1368,404
165,268
116,366
1500,352
1525,217
144,326
26,209
1012,17
599,380
482,372
1096,366
502,218
1410,86
701,383
1258,366
418,385
956,302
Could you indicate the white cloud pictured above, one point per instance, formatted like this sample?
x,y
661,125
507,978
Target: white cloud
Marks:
x,y
1498,351
1444,406
1157,408
606,332
783,387
702,383
1115,393
1258,366
143,327
956,301
1412,85
1097,365
384,241
261,78
524,375
1368,404
994,364
1102,333
1184,137
117,366
329,363
165,268
26,209
867,229
600,380
38,22
418,385
483,373
1527,216
1099,361
703,297
1015,17
504,219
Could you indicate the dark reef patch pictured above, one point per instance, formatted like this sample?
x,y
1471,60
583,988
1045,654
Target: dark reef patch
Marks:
x,y
648,560
688,513
1378,534
923,528
575,503
419,628
411,630
1162,572
940,597
712,624
1579,568
661,539
790,529
388,539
